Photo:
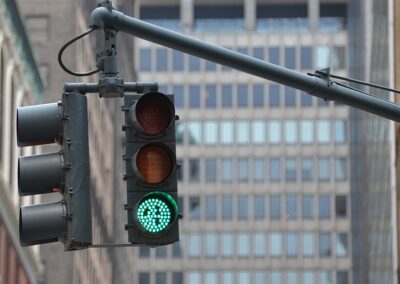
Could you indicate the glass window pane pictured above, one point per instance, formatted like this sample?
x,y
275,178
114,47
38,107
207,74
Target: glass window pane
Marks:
x,y
342,277
307,131
211,96
274,132
161,55
290,97
258,52
341,244
306,58
307,204
323,131
323,169
325,277
210,132
259,277
340,131
226,245
210,277
145,59
290,170
211,170
161,252
243,244
144,278
276,277
242,132
291,244
258,132
194,63
306,99
290,131
193,277
258,95
226,96
194,167
274,55
258,170
194,208
275,244
259,207
324,207
144,251
275,169
292,277
177,277
226,134
211,66
177,60
177,249
194,96
275,207
244,277
211,208
210,244
243,207
227,170
274,100
291,206
340,169
227,207
309,277
227,277
322,57
308,245
325,245
178,96
306,169
259,245
161,278
194,132
341,206
242,96
290,57
339,57
243,170
194,245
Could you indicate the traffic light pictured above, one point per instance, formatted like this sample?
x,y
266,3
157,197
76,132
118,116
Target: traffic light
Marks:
x,y
150,159
67,172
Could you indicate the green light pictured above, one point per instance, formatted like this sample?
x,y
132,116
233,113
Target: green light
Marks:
x,y
156,211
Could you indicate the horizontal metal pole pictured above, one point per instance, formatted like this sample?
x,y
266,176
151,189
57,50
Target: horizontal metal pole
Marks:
x,y
136,87
106,18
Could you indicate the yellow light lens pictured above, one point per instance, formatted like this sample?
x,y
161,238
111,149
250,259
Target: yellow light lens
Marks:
x,y
154,164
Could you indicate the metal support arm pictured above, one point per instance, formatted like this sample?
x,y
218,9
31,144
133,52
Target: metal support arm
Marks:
x,y
317,86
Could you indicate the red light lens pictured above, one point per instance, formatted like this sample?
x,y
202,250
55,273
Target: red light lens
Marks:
x,y
153,112
154,164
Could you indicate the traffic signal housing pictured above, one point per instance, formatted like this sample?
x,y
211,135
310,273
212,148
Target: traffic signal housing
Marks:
x,y
66,172
150,159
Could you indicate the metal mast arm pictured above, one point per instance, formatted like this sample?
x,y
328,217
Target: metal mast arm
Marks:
x,y
319,86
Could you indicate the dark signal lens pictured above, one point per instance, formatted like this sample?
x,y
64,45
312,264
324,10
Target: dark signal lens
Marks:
x,y
154,113
154,164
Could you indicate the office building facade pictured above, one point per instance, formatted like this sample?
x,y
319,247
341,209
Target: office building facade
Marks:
x,y
264,181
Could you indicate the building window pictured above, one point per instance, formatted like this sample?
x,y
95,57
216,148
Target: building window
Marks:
x,y
177,60
292,277
243,207
177,249
290,170
309,277
340,169
144,278
243,170
242,132
340,131
226,134
259,277
211,170
291,206
194,132
275,244
308,245
274,133
210,133
306,58
274,55
244,277
322,57
258,170
258,132
227,170
259,245
38,28
211,96
161,57
306,169
307,204
323,169
193,277
161,278
325,247
290,97
341,206
194,245
194,96
226,207
145,59
210,244
194,168
210,277
341,244
243,244
324,207
291,245
259,210
275,169
194,208
274,100
194,63
290,131
144,252
325,277
161,252
258,96
177,277
211,66
290,57
275,207
323,131
339,57
276,277
178,96
226,245
307,131
242,96
306,99
342,277
211,208
226,96
258,52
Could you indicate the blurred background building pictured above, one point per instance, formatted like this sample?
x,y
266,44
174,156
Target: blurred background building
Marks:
x,y
265,177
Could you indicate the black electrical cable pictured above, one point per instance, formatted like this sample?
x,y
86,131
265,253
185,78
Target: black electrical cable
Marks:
x,y
365,83
68,44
